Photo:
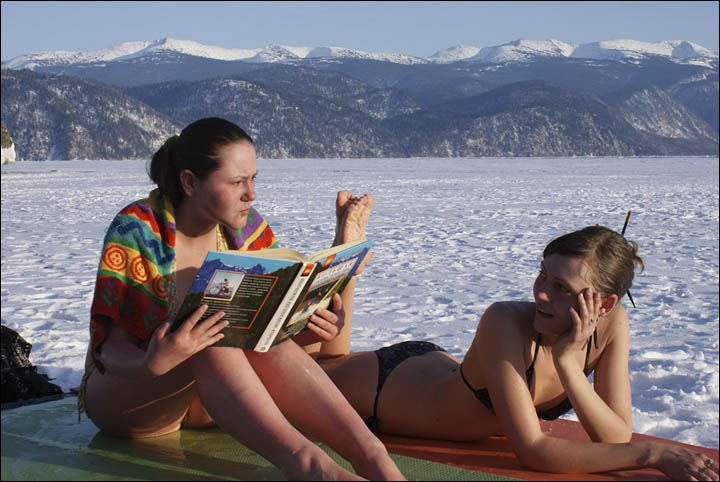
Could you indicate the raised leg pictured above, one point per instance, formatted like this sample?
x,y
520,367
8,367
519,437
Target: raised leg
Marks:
x,y
352,214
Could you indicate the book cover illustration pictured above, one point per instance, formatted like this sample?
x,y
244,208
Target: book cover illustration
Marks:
x,y
247,289
332,275
257,289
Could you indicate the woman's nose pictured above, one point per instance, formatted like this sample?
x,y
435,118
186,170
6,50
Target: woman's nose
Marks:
x,y
251,192
540,292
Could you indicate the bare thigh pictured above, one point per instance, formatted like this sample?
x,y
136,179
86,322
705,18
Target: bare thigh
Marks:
x,y
139,408
356,375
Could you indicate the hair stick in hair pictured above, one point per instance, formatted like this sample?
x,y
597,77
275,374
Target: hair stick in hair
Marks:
x,y
622,233
627,218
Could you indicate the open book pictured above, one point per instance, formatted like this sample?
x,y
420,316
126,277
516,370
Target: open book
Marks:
x,y
269,295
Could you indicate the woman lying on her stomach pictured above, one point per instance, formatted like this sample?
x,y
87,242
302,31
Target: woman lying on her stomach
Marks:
x,y
528,360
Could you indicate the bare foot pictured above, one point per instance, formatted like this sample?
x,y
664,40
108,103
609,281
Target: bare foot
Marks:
x,y
378,465
352,215
313,463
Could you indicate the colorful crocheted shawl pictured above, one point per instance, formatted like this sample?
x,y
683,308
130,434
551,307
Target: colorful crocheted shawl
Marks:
x,y
135,287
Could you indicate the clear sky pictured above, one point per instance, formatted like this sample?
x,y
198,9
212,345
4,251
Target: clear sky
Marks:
x,y
412,28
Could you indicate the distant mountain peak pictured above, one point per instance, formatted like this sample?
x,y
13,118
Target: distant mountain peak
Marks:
x,y
278,53
453,54
190,47
523,49
519,50
618,49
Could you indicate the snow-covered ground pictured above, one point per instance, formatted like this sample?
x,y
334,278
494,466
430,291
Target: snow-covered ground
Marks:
x,y
452,236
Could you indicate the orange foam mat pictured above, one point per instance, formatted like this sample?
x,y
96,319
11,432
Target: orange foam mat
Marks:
x,y
495,456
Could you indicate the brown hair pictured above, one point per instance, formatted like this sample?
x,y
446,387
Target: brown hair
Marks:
x,y
195,149
610,257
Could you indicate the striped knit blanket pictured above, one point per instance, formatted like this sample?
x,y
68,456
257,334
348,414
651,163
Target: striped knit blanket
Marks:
x,y
135,287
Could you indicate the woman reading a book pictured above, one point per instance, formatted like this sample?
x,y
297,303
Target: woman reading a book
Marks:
x,y
527,360
143,380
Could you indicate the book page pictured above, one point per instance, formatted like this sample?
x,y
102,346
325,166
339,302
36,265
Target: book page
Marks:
x,y
333,273
291,254
323,287
353,246
272,253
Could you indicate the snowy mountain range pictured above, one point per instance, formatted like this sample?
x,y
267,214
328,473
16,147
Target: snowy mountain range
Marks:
x,y
523,98
522,50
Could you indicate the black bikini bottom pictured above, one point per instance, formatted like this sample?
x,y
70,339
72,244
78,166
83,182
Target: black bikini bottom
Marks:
x,y
390,357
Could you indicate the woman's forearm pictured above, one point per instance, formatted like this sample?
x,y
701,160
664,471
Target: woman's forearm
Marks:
x,y
341,344
600,422
124,358
551,454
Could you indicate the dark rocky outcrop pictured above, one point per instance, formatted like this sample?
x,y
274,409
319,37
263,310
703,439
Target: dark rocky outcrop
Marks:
x,y
8,147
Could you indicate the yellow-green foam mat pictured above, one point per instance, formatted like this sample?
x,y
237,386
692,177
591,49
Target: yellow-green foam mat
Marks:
x,y
46,442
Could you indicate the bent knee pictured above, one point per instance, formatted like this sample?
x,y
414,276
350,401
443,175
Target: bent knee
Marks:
x,y
197,416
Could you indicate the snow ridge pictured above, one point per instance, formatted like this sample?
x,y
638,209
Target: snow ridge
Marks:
x,y
519,50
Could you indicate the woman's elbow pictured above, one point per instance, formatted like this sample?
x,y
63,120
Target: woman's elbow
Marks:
x,y
531,461
540,460
625,435
548,454
536,455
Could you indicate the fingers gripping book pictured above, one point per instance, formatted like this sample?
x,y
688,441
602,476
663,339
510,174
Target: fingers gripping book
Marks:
x,y
269,295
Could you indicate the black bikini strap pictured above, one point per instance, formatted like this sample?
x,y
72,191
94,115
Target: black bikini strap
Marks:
x,y
372,421
465,379
528,374
377,396
537,349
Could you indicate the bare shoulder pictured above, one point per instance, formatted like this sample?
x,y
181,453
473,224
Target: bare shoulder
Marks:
x,y
507,313
507,322
617,324
503,336
619,314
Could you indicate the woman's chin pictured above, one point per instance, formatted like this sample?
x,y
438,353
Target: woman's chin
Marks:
x,y
238,224
545,327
